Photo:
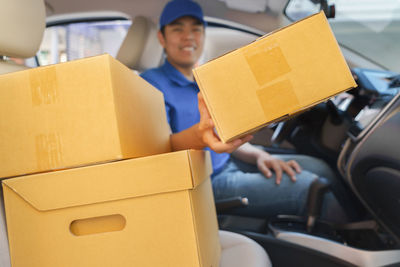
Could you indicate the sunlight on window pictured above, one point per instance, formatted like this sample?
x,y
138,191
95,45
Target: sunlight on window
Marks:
x,y
79,40
376,15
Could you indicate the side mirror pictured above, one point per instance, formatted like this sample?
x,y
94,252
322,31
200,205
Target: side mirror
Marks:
x,y
298,9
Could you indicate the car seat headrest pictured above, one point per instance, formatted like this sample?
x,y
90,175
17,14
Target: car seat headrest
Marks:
x,y
22,27
140,49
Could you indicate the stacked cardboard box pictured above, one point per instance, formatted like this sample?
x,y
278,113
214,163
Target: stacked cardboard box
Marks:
x,y
78,144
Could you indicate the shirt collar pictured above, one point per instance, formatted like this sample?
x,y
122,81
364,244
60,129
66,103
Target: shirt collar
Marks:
x,y
175,75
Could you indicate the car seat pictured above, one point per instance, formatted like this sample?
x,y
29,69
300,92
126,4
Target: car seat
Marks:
x,y
21,32
240,251
141,50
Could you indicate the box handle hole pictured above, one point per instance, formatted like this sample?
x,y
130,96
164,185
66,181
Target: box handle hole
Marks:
x,y
95,225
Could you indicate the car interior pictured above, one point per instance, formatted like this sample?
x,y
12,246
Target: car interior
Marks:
x,y
355,133
288,231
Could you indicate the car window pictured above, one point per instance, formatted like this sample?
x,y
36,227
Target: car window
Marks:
x,y
74,40
371,29
368,28
67,42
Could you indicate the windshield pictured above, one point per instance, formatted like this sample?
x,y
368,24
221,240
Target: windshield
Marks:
x,y
370,28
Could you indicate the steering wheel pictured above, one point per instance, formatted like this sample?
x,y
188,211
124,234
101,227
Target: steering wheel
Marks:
x,y
283,130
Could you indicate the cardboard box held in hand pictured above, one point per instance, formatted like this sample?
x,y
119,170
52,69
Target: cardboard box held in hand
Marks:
x,y
78,113
277,75
151,211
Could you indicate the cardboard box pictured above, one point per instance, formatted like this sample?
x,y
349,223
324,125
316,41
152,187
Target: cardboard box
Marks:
x,y
80,112
277,75
151,211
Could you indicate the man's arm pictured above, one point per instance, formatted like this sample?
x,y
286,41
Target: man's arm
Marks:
x,y
265,162
202,135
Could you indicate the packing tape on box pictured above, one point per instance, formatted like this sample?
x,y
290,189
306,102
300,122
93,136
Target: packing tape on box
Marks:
x,y
269,97
44,86
266,61
48,150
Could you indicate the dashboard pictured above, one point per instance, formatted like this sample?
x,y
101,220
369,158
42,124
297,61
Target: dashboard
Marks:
x,y
370,160
368,106
374,95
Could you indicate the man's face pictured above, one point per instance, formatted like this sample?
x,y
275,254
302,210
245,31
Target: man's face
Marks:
x,y
183,41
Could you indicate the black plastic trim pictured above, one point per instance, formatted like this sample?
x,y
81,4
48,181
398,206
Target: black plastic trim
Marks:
x,y
285,254
216,24
80,20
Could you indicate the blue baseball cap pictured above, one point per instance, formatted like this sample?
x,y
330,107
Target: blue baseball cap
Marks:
x,y
178,8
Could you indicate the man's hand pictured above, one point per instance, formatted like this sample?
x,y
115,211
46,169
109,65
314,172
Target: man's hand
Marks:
x,y
208,136
266,163
202,135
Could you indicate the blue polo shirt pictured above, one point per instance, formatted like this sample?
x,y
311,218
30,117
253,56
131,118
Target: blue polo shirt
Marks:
x,y
180,96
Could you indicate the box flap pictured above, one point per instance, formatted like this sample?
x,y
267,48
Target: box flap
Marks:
x,y
107,182
201,166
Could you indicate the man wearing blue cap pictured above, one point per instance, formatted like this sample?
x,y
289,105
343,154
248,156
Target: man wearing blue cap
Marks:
x,y
182,32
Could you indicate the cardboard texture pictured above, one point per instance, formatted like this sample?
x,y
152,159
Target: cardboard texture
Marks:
x,y
274,77
151,211
76,113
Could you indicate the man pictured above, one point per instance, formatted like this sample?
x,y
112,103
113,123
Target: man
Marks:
x,y
272,185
